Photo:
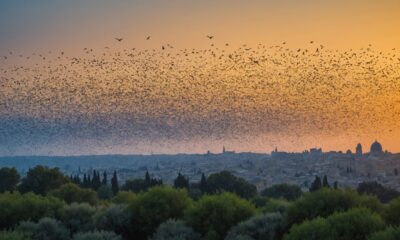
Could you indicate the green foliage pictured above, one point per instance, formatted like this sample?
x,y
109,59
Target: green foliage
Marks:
x,y
13,235
72,193
123,197
16,207
77,217
261,227
150,209
41,180
316,185
218,213
355,224
105,192
390,233
226,181
45,229
325,202
96,236
114,183
175,230
316,229
392,213
275,205
181,181
139,185
9,179
385,195
113,219
286,191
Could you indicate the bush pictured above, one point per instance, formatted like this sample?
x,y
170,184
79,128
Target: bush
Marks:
x,y
113,219
105,192
73,193
226,181
175,229
326,201
316,229
123,197
96,236
215,215
78,217
9,235
262,227
150,209
45,229
275,205
286,191
355,224
389,233
41,180
16,207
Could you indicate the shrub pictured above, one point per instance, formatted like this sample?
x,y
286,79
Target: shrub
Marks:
x,y
45,229
390,233
262,227
113,219
105,192
286,191
316,229
72,193
150,209
216,214
78,217
16,207
392,213
175,229
96,236
123,197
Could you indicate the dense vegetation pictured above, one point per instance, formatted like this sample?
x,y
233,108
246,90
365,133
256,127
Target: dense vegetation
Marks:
x,y
46,205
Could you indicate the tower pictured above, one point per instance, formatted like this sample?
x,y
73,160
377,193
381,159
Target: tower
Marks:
x,y
359,151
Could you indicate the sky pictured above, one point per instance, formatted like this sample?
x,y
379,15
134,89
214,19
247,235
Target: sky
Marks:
x,y
291,74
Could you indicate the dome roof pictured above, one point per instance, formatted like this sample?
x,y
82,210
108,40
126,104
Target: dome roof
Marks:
x,y
376,147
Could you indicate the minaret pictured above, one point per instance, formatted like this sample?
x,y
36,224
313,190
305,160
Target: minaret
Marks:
x,y
359,150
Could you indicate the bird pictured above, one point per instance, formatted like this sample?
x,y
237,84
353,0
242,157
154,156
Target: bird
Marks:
x,y
119,39
148,38
210,37
311,42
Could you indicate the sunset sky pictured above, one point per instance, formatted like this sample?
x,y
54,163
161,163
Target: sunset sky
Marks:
x,y
292,74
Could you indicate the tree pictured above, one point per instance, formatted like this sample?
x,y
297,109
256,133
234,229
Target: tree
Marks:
x,y
175,229
105,192
104,181
123,197
325,183
138,185
114,183
96,182
181,182
316,185
45,229
355,224
376,189
157,205
261,227
77,217
9,178
113,219
214,215
392,213
286,191
72,193
226,181
16,207
41,180
390,233
96,236
203,184
326,201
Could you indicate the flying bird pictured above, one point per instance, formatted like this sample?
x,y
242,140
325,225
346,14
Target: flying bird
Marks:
x,y
148,38
119,39
210,37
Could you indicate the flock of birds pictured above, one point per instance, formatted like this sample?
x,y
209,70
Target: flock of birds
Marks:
x,y
180,93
